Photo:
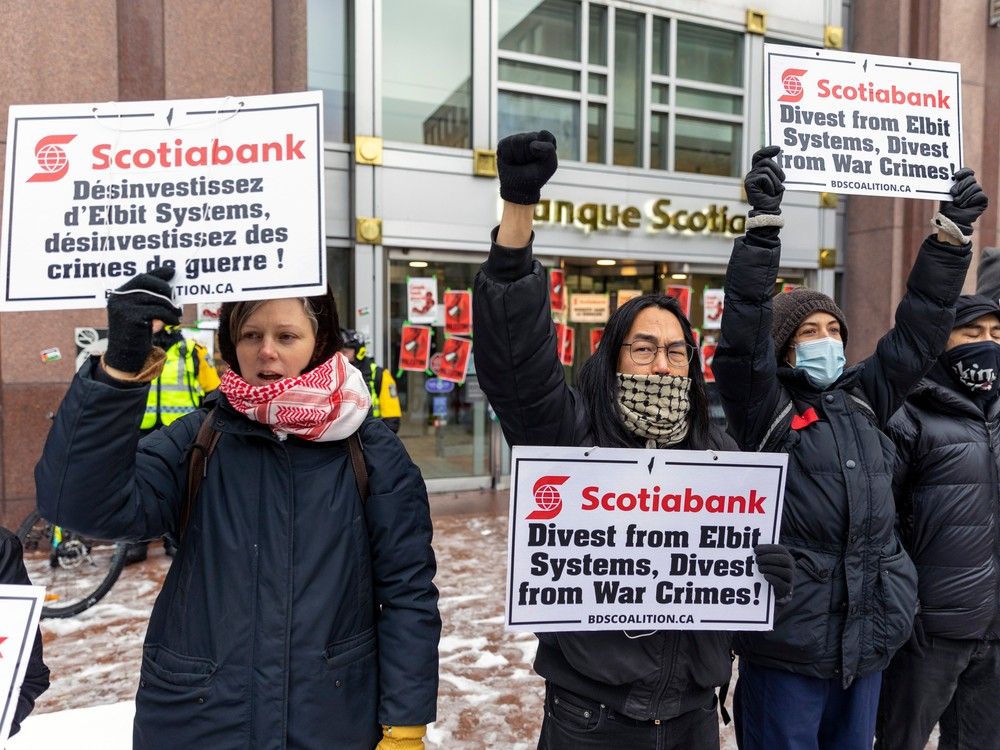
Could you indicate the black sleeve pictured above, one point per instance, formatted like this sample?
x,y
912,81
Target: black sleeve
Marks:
x,y
515,352
924,319
36,678
745,366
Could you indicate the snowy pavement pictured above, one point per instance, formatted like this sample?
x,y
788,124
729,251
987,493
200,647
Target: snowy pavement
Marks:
x,y
489,695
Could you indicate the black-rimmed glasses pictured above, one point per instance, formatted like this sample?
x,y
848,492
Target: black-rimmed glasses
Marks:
x,y
644,352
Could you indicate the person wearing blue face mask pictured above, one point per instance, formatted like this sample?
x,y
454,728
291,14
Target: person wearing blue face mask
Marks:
x,y
813,682
947,484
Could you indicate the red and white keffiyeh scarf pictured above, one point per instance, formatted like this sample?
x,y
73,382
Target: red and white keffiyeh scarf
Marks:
x,y
329,402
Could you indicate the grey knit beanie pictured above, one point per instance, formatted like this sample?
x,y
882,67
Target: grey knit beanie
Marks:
x,y
988,275
791,308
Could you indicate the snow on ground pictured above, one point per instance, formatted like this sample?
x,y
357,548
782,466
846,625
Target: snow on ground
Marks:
x,y
488,697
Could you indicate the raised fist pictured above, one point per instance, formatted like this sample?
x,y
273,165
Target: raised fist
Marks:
x,y
764,182
525,162
967,203
132,308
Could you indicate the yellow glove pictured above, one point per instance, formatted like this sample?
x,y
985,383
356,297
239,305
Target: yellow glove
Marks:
x,y
402,738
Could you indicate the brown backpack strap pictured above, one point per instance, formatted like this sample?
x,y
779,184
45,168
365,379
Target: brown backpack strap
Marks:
x,y
199,450
360,470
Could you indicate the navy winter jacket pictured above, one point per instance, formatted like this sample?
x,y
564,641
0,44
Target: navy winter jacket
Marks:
x,y
293,616
854,588
657,676
947,486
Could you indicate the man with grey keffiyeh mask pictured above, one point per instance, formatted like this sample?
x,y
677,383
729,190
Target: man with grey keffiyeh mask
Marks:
x,y
642,388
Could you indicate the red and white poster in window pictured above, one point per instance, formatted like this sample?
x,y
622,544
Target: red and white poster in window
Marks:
x,y
557,289
787,287
682,294
458,312
596,334
565,338
707,355
455,359
714,302
414,348
421,299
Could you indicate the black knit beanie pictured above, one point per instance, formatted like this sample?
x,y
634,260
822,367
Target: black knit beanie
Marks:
x,y
791,308
328,340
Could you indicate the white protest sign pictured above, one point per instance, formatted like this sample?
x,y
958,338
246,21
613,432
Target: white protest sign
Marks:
x,y
229,191
589,308
20,608
863,124
622,539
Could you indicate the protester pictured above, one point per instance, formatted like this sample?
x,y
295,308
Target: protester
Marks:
x,y
188,374
381,384
299,610
36,677
947,485
642,388
813,682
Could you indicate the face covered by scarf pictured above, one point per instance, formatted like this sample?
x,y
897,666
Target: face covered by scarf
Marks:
x,y
655,407
975,366
328,402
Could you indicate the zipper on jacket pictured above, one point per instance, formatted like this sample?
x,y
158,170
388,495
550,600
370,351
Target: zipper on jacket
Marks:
x,y
665,679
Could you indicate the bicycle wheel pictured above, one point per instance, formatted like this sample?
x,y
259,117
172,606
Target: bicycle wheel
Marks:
x,y
76,570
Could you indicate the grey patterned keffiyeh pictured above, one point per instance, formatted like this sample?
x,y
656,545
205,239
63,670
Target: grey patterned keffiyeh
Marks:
x,y
655,407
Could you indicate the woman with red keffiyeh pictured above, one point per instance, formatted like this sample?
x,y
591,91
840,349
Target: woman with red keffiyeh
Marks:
x,y
297,613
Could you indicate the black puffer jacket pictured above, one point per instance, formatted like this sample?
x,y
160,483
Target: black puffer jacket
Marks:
x,y
654,677
947,486
855,588
292,616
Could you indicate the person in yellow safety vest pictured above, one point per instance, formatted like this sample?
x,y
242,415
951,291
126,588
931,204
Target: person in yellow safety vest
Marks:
x,y
188,375
381,385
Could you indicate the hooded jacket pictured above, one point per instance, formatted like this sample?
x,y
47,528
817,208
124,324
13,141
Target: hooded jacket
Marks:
x,y
293,615
658,676
947,485
854,587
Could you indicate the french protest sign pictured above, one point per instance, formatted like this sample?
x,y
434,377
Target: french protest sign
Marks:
x,y
863,124
20,608
228,191
622,539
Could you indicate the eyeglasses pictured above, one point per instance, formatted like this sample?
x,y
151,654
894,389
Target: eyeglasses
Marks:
x,y
644,352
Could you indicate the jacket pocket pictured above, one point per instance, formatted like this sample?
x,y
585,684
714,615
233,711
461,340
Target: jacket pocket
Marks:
x,y
896,605
170,670
349,650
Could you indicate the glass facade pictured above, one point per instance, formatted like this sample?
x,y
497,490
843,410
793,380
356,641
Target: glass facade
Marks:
x,y
329,64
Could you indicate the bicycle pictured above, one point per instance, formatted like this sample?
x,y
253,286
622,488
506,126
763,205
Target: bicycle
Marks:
x,y
76,570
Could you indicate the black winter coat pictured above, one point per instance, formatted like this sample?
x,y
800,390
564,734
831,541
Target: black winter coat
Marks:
x,y
659,676
947,485
36,678
292,616
855,587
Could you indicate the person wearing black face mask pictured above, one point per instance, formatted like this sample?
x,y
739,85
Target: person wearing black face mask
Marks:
x,y
947,484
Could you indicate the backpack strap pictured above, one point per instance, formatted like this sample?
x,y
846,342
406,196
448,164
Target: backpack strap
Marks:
x,y
199,452
360,469
779,427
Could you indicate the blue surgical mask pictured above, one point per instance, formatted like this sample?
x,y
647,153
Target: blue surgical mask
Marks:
x,y
823,360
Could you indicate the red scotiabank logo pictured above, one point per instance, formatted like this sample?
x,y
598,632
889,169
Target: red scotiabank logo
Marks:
x,y
793,85
52,159
547,498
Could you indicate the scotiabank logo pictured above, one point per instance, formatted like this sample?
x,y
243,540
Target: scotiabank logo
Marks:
x,y
547,498
52,159
793,85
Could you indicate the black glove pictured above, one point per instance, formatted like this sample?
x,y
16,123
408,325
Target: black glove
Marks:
x,y
132,308
764,182
525,162
967,203
918,642
777,565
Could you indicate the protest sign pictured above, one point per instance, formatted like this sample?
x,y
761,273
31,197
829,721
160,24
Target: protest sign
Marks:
x,y
20,608
589,308
596,334
863,124
557,289
458,312
228,191
565,339
628,539
713,302
707,355
683,296
454,359
422,299
414,348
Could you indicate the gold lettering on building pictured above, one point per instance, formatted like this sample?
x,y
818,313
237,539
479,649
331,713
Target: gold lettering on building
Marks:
x,y
658,216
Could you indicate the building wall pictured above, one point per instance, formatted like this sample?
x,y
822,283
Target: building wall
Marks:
x,y
883,234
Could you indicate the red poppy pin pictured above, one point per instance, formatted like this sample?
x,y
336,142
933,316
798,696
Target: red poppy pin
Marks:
x,y
806,418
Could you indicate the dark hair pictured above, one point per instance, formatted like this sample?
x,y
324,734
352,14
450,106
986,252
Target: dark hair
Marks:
x,y
599,377
321,311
